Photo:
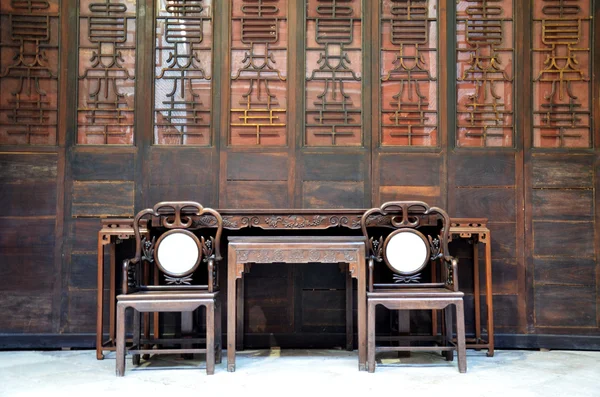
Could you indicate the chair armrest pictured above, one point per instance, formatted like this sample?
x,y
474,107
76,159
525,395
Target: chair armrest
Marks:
x,y
129,276
451,273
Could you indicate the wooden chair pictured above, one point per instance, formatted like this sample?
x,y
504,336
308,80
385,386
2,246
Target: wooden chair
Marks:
x,y
419,238
178,254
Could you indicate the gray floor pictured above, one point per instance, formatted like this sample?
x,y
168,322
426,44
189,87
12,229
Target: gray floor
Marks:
x,y
311,372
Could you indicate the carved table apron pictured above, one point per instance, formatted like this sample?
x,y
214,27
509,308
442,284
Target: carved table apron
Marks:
x,y
287,221
291,249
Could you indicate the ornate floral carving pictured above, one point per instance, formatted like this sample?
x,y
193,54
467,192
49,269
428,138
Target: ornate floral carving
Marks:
x,y
314,255
148,249
415,278
186,280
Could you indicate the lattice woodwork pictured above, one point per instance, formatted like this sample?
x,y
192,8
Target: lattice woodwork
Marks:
x,y
182,86
485,56
333,73
258,73
409,73
106,71
29,61
561,69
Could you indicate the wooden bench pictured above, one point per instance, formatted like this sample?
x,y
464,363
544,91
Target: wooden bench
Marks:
x,y
291,249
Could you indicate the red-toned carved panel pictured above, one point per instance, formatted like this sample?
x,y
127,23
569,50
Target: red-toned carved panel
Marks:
x,y
182,85
258,73
409,92
561,73
333,73
29,62
106,72
485,57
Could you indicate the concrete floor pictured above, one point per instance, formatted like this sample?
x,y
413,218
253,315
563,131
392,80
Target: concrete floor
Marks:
x,y
286,373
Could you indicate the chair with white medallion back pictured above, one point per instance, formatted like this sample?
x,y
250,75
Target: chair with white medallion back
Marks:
x,y
418,240
178,250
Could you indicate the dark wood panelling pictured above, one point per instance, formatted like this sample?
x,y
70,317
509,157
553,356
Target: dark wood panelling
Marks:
x,y
257,166
323,308
28,198
495,204
430,194
565,306
571,205
563,239
506,308
181,166
81,311
200,193
562,171
26,269
257,194
85,234
26,312
101,199
566,271
25,233
27,167
504,276
483,169
504,240
322,276
333,167
410,170
332,194
100,167
82,273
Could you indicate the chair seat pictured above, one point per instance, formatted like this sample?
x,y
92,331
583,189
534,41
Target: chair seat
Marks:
x,y
170,295
415,293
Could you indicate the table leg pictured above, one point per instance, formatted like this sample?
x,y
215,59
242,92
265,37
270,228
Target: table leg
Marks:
x,y
362,313
489,295
476,291
100,298
112,296
231,313
349,307
239,342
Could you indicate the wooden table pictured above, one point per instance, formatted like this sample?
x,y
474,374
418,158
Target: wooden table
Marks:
x,y
477,232
288,221
290,249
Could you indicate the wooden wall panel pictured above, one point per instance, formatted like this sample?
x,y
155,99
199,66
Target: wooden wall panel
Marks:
x,y
388,116
28,201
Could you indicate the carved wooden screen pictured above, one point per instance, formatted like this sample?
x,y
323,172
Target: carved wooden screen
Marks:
x,y
409,63
29,72
106,71
485,73
182,81
333,73
561,67
258,73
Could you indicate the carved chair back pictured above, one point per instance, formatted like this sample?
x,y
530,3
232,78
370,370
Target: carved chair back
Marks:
x,y
174,248
419,238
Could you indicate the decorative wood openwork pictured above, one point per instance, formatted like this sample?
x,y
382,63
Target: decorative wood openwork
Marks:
x,y
182,85
29,71
408,74
333,73
485,84
561,68
106,71
259,67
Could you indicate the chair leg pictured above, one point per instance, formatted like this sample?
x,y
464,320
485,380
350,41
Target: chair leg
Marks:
x,y
371,337
120,339
135,358
460,337
210,338
449,354
218,332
